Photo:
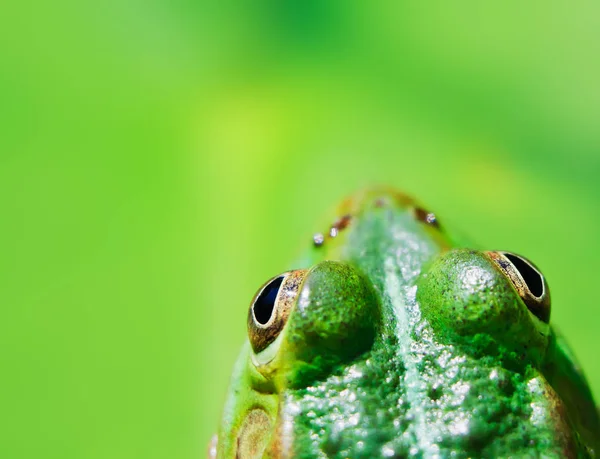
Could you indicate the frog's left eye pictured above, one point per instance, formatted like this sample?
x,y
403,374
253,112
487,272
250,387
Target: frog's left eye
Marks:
x,y
270,308
527,280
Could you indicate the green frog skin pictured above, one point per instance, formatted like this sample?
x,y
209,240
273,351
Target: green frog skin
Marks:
x,y
393,339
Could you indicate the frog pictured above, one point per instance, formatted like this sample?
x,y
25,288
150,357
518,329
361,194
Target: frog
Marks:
x,y
392,337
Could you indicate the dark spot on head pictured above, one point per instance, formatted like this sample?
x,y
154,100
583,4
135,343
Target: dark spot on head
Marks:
x,y
340,225
342,222
380,202
426,217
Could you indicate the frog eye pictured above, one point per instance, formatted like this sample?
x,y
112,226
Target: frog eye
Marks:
x,y
270,308
527,280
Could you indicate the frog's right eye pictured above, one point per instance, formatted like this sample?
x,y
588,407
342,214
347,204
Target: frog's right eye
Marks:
x,y
270,308
527,280
491,302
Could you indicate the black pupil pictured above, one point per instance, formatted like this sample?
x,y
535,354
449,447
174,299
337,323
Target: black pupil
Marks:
x,y
532,278
264,304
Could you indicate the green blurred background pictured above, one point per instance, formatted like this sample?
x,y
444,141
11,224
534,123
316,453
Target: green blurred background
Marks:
x,y
159,160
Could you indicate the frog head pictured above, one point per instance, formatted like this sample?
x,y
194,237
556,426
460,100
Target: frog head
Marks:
x,y
392,339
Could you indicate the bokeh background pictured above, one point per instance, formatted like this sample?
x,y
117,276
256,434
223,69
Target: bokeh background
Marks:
x,y
160,160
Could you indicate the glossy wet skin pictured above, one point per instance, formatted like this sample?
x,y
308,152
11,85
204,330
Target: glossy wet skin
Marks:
x,y
392,340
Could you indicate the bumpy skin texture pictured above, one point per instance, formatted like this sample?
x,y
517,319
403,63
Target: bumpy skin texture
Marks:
x,y
401,344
